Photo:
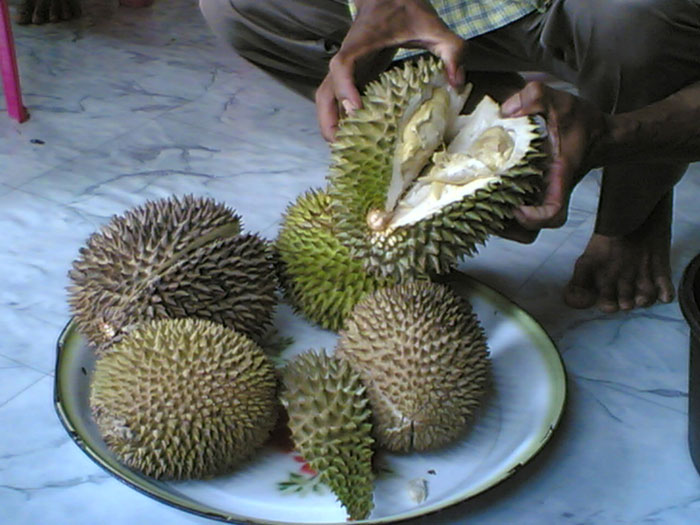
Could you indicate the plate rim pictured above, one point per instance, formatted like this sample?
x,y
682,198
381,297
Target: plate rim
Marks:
x,y
455,278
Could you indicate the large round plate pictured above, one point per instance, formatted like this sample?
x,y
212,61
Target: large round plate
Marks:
x,y
276,487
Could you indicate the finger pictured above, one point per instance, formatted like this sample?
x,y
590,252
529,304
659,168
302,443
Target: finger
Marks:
x,y
528,101
452,50
342,81
515,232
553,210
327,110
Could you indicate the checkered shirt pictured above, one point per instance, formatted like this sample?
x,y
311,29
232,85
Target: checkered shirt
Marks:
x,y
470,18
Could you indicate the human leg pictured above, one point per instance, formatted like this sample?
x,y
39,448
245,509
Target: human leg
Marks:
x,y
292,40
630,54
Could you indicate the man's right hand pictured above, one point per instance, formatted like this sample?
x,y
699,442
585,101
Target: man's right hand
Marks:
x,y
575,129
379,29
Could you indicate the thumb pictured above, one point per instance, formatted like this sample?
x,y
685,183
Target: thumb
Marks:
x,y
452,50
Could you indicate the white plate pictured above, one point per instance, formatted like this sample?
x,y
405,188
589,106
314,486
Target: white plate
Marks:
x,y
276,487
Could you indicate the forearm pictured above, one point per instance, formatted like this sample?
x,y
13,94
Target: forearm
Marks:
x,y
666,130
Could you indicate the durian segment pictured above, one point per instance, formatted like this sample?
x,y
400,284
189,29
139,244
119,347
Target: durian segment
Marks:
x,y
421,131
330,422
170,258
485,147
451,219
319,278
184,399
423,357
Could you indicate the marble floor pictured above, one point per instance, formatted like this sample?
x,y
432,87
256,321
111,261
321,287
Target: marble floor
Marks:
x,y
134,104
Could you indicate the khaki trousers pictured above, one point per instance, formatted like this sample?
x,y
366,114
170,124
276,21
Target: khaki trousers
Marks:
x,y
620,54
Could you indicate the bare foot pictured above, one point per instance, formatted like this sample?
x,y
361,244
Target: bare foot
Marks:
x,y
621,273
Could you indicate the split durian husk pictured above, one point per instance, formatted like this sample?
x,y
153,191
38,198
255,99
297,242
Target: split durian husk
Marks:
x,y
184,398
319,278
330,423
172,258
422,354
414,186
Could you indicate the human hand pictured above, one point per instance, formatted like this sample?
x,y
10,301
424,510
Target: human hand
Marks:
x,y
42,11
575,128
379,29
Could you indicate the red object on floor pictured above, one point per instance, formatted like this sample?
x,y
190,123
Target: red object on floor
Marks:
x,y
8,65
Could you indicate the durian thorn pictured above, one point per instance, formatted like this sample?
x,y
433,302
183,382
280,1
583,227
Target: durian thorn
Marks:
x,y
224,231
230,229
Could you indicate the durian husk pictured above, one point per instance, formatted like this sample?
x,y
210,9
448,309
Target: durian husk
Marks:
x,y
319,278
330,423
172,258
423,356
184,399
360,178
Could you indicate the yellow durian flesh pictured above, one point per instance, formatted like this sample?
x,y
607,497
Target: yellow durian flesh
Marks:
x,y
430,117
483,148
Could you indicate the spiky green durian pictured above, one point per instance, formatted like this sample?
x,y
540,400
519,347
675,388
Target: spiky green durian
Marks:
x,y
172,258
318,276
330,422
184,398
414,186
423,357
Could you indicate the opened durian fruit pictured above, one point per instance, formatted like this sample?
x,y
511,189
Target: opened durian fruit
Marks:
x,y
423,357
319,278
414,185
184,398
330,424
172,258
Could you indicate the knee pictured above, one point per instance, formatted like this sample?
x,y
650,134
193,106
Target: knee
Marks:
x,y
228,19
634,35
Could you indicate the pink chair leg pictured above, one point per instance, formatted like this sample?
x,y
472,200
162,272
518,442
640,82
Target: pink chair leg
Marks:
x,y
8,64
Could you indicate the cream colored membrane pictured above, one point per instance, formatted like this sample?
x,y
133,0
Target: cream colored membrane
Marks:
x,y
421,132
485,147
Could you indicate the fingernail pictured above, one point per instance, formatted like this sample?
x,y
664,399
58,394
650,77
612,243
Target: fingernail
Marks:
x,y
349,107
511,106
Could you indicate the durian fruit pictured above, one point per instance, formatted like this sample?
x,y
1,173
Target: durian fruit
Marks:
x,y
172,258
330,423
319,278
423,357
184,398
414,186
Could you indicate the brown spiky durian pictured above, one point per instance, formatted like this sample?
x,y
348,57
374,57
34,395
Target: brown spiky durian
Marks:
x,y
184,398
172,258
423,357
319,278
330,423
414,186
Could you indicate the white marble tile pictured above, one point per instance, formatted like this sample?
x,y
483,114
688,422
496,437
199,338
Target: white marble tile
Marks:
x,y
33,278
163,159
46,478
15,377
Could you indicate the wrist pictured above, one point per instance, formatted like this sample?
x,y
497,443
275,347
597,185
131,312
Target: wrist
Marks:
x,y
602,142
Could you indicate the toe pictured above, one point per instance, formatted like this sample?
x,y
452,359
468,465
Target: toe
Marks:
x,y
626,294
579,297
646,292
667,292
607,301
581,291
